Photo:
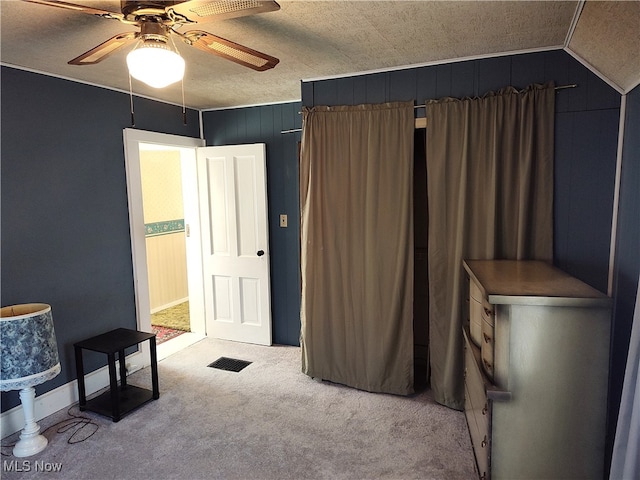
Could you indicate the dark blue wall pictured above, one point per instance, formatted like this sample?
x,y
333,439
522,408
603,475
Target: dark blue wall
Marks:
x,y
64,213
263,125
627,260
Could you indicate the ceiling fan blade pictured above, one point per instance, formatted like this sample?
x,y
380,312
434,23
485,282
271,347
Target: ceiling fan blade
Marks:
x,y
79,8
210,10
102,51
231,51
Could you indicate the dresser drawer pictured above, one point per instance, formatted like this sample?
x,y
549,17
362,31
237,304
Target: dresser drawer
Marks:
x,y
477,405
488,347
475,313
477,409
479,434
475,320
488,312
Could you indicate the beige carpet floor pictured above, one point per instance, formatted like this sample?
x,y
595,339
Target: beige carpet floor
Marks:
x,y
268,421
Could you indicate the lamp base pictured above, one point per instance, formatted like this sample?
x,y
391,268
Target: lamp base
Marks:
x,y
31,442
30,445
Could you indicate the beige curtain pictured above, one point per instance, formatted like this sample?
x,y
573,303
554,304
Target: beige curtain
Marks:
x,y
356,187
490,194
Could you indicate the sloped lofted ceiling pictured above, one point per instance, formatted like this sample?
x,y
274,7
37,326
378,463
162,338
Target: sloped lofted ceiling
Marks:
x,y
607,37
317,39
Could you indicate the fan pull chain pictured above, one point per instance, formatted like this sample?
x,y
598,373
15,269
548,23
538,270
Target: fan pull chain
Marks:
x,y
133,119
184,111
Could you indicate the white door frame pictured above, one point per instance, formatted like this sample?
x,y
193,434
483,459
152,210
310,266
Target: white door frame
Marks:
x,y
187,147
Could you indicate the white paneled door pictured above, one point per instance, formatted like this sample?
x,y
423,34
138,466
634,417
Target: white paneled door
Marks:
x,y
233,210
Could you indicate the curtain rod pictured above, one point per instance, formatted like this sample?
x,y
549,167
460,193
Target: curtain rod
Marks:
x,y
415,107
561,87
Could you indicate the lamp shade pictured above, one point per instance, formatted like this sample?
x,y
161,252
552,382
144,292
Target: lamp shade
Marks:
x,y
28,348
155,64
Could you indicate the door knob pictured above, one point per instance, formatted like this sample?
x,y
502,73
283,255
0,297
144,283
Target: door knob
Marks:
x,y
260,253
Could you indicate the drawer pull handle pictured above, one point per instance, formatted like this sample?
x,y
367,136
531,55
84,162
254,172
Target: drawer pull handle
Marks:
x,y
488,312
487,365
485,409
487,338
484,442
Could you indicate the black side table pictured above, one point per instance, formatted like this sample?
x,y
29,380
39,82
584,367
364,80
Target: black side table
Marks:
x,y
118,401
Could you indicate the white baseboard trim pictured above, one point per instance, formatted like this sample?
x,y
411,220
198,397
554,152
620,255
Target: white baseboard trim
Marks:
x,y
178,343
169,305
65,395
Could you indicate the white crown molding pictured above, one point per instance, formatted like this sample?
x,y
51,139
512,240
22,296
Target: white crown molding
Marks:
x,y
75,80
436,62
574,22
595,71
283,102
633,85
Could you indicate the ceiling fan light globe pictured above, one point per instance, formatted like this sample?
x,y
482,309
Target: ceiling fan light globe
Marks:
x,y
156,66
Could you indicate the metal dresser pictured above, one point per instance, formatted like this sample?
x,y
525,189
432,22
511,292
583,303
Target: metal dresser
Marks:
x,y
536,371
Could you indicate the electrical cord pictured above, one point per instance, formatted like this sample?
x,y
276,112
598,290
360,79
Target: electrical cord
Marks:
x,y
83,428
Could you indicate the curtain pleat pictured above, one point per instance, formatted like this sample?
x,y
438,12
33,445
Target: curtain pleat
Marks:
x,y
356,187
490,195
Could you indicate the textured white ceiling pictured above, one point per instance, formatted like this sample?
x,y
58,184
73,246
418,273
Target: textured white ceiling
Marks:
x,y
316,39
608,38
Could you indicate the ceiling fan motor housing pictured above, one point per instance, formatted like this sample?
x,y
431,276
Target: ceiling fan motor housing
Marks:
x,y
151,31
145,7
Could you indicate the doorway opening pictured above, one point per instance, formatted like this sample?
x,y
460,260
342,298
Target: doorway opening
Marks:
x,y
163,209
165,235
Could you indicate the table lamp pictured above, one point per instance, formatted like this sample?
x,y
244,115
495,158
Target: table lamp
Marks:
x,y
29,357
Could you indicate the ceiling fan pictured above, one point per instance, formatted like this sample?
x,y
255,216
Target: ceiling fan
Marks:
x,y
159,21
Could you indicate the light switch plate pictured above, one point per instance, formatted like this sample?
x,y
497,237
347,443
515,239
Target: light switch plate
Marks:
x,y
283,220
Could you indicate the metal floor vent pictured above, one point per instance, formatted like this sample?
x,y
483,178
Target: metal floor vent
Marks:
x,y
229,364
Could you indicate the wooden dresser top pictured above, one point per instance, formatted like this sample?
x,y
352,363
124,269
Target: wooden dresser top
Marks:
x,y
530,281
